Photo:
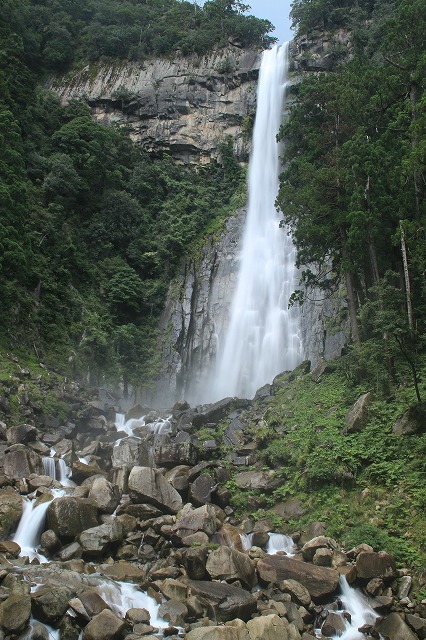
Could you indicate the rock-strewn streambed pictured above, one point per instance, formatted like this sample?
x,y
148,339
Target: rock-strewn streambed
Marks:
x,y
136,538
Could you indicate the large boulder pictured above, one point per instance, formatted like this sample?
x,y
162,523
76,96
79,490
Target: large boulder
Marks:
x,y
98,540
10,510
393,627
412,421
320,542
375,565
20,462
104,626
200,491
129,452
149,485
214,413
21,434
105,495
257,480
270,627
230,565
357,416
201,519
68,516
223,602
321,582
50,602
220,633
15,612
175,453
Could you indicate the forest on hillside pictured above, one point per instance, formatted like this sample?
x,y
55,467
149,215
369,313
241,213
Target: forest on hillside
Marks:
x,y
353,192
92,229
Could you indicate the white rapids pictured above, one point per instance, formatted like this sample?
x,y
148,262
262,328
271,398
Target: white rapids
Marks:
x,y
263,336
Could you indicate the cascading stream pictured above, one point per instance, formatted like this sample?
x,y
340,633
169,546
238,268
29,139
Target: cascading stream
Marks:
x,y
263,336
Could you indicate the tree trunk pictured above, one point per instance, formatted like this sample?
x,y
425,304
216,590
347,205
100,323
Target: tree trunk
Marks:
x,y
350,289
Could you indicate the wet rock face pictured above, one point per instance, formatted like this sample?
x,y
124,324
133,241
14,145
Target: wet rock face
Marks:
x,y
183,106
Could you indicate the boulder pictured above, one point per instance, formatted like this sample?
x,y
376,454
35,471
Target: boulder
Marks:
x,y
81,471
21,434
20,462
223,601
321,582
417,624
147,484
375,565
214,413
394,628
310,548
129,452
70,551
92,602
105,495
50,602
201,489
289,510
104,626
98,540
333,625
68,516
10,510
219,633
174,612
268,627
412,421
179,477
201,519
297,591
175,453
15,612
356,418
230,565
257,480
194,560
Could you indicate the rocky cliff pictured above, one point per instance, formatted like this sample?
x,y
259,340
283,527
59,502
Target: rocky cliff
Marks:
x,y
183,106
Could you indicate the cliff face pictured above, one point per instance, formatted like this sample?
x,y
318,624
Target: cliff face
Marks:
x,y
185,106
196,313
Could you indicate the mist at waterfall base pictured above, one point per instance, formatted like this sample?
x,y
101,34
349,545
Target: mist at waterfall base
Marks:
x,y
263,335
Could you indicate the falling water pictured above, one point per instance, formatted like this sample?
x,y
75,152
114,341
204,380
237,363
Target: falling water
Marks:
x,y
263,336
279,542
360,612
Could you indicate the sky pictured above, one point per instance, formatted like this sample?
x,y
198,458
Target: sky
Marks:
x,y
277,11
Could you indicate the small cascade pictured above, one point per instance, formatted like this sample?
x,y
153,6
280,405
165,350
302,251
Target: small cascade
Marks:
x,y
279,542
246,541
122,596
360,613
64,473
49,466
30,528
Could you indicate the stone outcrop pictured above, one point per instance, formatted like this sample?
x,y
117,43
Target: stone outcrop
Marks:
x,y
183,106
146,484
321,582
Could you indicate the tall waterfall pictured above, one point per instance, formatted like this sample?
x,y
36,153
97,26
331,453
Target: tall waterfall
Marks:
x,y
263,336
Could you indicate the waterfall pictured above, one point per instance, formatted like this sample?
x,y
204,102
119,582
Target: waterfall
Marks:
x,y
263,336
360,612
279,542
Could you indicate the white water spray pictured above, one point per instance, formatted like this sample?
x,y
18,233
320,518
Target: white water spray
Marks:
x,y
360,612
280,542
263,337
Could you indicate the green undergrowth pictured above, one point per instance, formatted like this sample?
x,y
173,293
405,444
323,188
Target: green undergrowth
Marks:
x,y
366,486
